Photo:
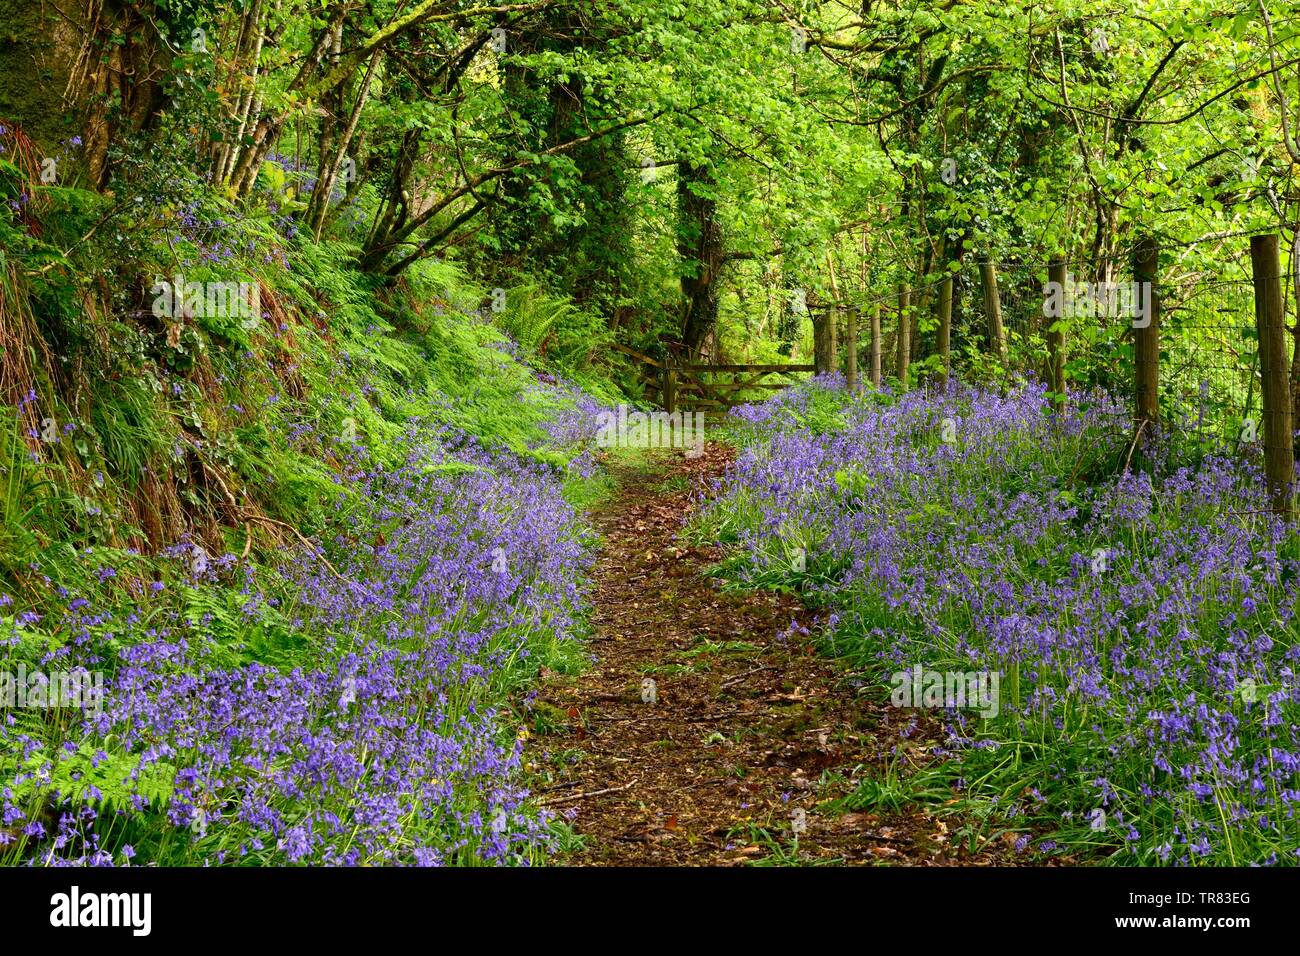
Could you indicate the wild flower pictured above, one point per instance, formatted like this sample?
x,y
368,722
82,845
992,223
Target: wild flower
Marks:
x,y
981,553
384,745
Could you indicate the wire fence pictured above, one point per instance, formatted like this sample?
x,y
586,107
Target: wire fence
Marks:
x,y
1209,368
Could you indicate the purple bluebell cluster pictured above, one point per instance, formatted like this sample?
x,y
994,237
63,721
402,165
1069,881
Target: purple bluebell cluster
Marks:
x,y
575,422
1143,621
372,735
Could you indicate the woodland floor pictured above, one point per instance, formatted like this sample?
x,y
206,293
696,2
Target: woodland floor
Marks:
x,y
747,726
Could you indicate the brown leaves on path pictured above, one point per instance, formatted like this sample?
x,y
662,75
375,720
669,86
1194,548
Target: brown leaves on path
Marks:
x,y
742,737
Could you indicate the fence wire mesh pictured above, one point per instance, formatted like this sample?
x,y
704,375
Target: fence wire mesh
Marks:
x,y
1209,358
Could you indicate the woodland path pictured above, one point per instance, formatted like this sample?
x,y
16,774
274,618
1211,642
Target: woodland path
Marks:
x,y
747,728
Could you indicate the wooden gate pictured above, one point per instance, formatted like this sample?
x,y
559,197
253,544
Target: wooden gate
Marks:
x,y
713,389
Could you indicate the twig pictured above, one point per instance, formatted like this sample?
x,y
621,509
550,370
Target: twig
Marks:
x,y
756,670
685,720
1131,448
561,786
249,516
63,255
590,793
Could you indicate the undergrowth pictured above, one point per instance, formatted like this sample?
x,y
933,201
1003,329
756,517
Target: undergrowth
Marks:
x,y
315,555
1135,606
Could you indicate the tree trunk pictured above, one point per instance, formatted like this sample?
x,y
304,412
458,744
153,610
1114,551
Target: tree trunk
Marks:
x,y
1270,323
700,248
993,311
332,163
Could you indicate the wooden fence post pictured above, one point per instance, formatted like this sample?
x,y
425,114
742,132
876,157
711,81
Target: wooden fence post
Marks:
x,y
875,346
823,340
1055,378
993,310
670,388
833,337
821,321
1270,323
1146,333
944,338
904,345
851,348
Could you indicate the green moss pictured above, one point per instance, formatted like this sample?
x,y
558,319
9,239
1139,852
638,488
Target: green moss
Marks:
x,y
37,48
